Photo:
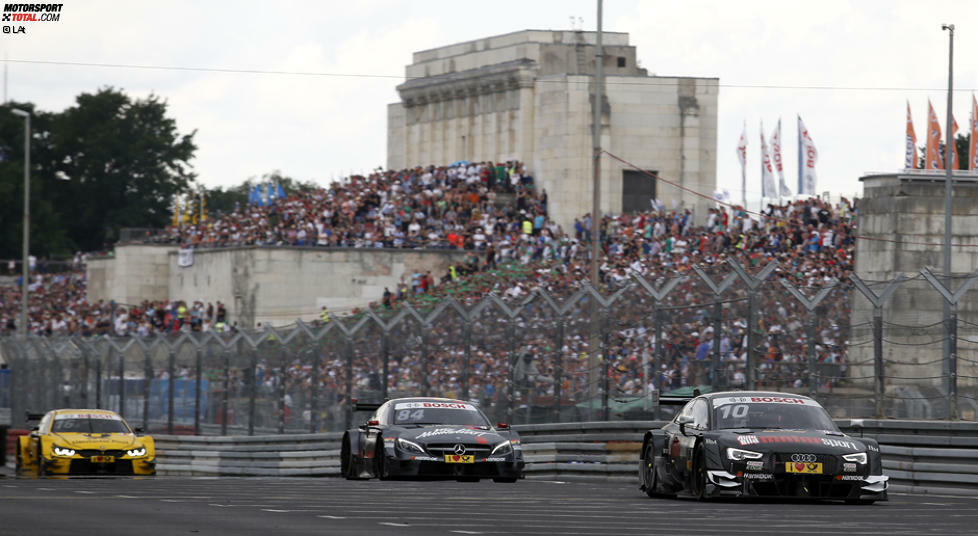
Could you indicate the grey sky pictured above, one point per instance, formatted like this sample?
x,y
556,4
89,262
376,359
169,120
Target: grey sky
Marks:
x,y
321,127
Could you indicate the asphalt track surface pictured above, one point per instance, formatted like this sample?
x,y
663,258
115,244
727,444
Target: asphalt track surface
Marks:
x,y
273,506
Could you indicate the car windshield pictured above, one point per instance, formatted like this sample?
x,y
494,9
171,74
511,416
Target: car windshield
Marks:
x,y
90,426
439,413
792,413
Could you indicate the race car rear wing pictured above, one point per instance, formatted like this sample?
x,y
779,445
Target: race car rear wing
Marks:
x,y
674,400
366,406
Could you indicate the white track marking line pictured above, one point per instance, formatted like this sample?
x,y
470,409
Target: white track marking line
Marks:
x,y
392,524
332,517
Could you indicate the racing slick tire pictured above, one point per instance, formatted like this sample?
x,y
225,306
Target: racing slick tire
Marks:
x,y
42,468
698,477
347,468
381,468
504,480
649,476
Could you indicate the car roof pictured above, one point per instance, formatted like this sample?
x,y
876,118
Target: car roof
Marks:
x,y
724,394
429,399
85,410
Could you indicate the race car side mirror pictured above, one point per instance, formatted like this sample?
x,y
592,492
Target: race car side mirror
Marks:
x,y
35,428
502,426
138,429
682,421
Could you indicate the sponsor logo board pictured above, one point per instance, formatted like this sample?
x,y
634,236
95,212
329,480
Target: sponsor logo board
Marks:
x,y
434,405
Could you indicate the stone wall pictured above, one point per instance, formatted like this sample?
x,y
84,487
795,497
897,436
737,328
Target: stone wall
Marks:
x,y
134,273
268,285
909,208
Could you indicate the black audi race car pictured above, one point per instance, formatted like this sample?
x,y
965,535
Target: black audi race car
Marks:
x,y
759,444
430,438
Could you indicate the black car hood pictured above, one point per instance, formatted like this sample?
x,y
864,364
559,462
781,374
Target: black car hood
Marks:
x,y
451,434
810,441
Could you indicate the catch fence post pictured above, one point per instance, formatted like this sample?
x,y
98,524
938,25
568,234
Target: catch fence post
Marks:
x,y
148,379
658,296
171,370
879,387
810,305
253,383
718,290
606,363
348,351
198,385
314,388
753,285
951,334
559,367
227,389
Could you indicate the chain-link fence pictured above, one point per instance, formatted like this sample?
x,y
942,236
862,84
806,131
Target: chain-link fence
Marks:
x,y
863,348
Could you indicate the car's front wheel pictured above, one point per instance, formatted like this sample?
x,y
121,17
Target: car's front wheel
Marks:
x,y
381,466
698,478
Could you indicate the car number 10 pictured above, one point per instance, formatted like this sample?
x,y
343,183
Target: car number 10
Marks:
x,y
737,411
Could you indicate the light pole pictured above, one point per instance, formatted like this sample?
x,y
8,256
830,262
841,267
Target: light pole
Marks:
x,y
25,269
949,359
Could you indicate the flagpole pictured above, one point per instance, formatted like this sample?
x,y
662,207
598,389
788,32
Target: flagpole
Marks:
x,y
743,172
801,189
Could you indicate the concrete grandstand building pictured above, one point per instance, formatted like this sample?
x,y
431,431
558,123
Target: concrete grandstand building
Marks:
x,y
527,96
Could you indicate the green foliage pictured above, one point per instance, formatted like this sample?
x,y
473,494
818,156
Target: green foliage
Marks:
x,y
123,159
963,142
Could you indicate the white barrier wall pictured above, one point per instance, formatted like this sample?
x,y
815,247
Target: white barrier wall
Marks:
x,y
267,285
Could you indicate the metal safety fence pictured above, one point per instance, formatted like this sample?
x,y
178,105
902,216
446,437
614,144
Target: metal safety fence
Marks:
x,y
566,353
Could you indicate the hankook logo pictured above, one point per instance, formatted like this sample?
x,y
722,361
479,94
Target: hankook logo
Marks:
x,y
804,458
459,449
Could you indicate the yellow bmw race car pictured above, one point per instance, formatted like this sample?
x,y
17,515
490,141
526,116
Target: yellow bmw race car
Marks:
x,y
84,442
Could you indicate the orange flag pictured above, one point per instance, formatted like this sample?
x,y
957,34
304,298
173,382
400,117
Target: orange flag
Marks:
x,y
933,158
910,159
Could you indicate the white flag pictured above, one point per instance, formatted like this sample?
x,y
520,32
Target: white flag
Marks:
x,y
742,156
776,157
768,188
185,258
808,159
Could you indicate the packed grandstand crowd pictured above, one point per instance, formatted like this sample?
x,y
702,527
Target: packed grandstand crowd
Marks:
x,y
497,213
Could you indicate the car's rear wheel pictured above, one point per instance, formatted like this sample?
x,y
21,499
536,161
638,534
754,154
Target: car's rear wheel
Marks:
x,y
347,467
698,478
647,471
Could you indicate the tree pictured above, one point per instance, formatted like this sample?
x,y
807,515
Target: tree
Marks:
x,y
48,234
963,142
124,160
